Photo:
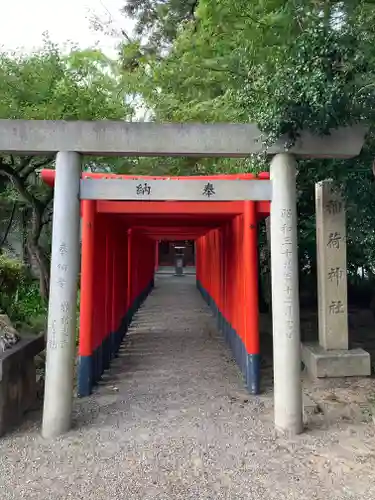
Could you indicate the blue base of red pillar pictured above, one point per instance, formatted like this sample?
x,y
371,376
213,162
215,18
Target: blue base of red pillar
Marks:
x,y
249,364
91,368
253,373
85,373
98,364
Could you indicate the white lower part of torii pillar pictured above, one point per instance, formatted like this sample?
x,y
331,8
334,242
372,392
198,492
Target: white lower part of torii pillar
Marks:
x,y
62,309
285,297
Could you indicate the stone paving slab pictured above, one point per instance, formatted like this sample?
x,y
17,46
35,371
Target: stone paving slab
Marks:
x,y
172,420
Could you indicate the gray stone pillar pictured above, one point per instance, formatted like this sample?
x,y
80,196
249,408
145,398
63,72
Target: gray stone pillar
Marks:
x,y
62,309
179,265
331,266
331,357
285,296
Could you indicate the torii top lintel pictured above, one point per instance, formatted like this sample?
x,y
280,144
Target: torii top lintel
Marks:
x,y
120,138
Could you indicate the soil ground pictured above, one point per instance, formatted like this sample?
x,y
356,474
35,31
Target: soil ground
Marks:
x,y
172,420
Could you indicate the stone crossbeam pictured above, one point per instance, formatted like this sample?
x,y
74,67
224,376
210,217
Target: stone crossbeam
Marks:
x,y
119,138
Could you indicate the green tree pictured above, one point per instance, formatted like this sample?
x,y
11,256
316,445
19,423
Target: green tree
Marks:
x,y
158,21
286,66
48,84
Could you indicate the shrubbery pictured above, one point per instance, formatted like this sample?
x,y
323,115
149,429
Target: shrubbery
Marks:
x,y
19,296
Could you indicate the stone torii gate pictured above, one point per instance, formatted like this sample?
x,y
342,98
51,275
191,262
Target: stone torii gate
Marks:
x,y
70,140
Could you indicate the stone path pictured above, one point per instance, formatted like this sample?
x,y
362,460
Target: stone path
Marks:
x,y
171,420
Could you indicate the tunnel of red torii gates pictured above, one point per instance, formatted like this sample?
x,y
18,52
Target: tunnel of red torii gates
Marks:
x,y
119,257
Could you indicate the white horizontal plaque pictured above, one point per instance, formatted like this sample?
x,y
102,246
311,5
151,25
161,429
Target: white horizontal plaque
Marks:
x,y
175,190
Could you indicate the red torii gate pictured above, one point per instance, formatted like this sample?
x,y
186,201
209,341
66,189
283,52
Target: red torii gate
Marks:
x,y
70,140
118,264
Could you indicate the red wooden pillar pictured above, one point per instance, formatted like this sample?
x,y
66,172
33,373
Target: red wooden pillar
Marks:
x,y
106,334
197,257
129,300
250,262
123,306
99,295
115,292
238,305
156,255
86,340
227,278
120,277
222,320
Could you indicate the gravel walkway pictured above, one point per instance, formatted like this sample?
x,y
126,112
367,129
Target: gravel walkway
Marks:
x,y
171,420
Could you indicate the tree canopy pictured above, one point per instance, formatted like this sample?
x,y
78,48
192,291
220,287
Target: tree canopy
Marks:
x,y
285,65
49,84
158,21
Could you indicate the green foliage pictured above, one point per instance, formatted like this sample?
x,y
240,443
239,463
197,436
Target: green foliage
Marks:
x,y
28,308
159,20
50,84
12,273
285,65
47,84
19,294
82,85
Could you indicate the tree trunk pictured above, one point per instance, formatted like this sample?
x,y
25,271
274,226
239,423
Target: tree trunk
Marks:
x,y
37,254
9,226
18,175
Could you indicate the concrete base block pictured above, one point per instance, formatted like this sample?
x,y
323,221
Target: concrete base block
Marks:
x,y
18,381
335,363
